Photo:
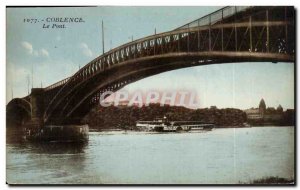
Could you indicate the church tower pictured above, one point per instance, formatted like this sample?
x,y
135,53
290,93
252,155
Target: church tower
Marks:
x,y
279,109
262,107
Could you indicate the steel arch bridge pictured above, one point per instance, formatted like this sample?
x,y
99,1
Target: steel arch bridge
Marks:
x,y
229,35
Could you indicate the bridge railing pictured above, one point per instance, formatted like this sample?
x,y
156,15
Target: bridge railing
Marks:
x,y
57,84
215,17
230,37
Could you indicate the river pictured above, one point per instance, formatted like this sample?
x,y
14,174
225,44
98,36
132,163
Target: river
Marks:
x,y
221,156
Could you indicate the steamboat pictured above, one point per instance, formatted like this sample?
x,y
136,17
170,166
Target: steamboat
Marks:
x,y
164,125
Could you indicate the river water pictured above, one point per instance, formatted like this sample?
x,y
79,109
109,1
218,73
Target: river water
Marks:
x,y
220,156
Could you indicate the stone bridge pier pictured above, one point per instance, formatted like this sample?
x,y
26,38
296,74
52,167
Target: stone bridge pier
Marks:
x,y
37,106
28,111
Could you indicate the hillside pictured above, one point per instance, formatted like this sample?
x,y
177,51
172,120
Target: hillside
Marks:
x,y
126,117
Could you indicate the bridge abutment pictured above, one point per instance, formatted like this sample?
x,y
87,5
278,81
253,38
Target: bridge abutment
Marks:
x,y
37,106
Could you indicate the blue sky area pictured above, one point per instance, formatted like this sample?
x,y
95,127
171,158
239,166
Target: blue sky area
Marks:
x,y
56,54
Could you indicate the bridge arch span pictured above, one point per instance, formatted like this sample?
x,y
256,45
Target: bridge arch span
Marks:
x,y
18,112
86,94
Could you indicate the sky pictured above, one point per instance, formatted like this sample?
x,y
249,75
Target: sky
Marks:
x,y
57,53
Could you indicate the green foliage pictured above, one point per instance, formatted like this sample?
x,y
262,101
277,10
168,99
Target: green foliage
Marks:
x,y
126,117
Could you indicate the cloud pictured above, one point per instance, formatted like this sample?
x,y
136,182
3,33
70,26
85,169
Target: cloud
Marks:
x,y
27,46
44,52
86,50
35,52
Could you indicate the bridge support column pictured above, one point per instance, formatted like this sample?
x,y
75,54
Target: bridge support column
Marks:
x,y
37,103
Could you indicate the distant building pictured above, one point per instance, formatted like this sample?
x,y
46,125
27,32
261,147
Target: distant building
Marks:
x,y
262,107
280,109
253,113
264,115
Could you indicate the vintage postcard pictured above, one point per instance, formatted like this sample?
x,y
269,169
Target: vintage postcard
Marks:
x,y
150,95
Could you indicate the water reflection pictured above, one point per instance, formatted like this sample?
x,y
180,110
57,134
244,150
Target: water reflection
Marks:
x,y
57,148
16,140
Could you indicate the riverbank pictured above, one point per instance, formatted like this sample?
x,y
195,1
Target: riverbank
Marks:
x,y
123,117
272,181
